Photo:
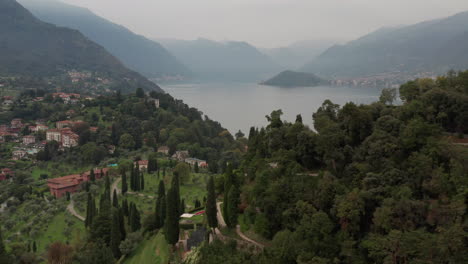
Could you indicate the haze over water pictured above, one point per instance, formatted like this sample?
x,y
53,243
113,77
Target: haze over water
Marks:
x,y
242,105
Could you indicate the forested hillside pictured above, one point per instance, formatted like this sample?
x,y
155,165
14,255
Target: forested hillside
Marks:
x,y
137,52
434,46
374,183
31,47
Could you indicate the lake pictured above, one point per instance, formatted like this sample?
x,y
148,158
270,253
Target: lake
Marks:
x,y
242,105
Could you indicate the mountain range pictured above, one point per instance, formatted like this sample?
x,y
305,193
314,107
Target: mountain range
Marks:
x,y
29,46
136,52
231,60
299,53
434,46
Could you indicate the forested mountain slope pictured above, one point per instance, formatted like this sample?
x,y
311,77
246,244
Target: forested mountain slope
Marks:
x,y
31,47
431,46
136,52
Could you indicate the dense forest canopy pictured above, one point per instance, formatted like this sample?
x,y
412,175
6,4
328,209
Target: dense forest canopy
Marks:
x,y
374,183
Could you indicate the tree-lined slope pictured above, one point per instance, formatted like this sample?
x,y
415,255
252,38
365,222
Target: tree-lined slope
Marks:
x,y
136,52
31,47
432,46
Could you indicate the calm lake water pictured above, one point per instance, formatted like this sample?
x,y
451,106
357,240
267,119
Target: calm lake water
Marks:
x,y
242,105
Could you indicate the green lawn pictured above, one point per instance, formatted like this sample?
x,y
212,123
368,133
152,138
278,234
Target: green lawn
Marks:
x,y
55,231
154,250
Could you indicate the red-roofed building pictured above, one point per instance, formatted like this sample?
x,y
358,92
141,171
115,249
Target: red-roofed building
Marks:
x,y
5,173
142,164
16,123
60,186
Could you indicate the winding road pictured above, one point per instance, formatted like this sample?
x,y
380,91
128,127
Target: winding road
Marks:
x,y
71,210
222,224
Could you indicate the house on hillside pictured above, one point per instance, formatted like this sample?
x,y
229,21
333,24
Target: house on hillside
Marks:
x,y
29,140
16,123
142,164
54,134
6,173
164,150
60,186
181,155
19,154
199,162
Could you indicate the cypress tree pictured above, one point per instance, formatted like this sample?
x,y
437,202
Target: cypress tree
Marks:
x,y
123,232
159,218
196,169
211,209
115,236
142,184
115,201
34,247
92,177
172,217
107,190
134,222
101,226
232,209
132,179
124,183
137,178
182,206
176,187
162,212
90,210
228,182
125,209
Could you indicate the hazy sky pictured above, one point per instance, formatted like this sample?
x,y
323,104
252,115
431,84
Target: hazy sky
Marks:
x,y
267,23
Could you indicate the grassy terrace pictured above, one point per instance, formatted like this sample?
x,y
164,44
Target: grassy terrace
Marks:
x,y
153,250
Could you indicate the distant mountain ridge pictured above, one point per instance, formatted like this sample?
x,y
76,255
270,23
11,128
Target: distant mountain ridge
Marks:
x,y
289,79
31,47
431,46
232,60
298,53
136,52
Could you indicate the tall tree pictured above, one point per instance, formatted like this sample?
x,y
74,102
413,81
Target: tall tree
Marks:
x,y
116,235
123,232
124,183
142,182
90,210
211,209
232,209
171,224
160,206
228,183
92,177
176,186
107,189
125,208
115,201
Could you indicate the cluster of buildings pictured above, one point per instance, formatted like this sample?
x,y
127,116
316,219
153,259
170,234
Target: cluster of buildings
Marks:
x,y
183,156
68,98
69,184
6,173
63,133
385,80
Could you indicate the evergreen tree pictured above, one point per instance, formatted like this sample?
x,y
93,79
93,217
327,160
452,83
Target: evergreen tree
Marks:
x,y
34,247
135,221
92,177
125,208
123,232
115,201
228,182
172,217
196,169
211,209
142,183
124,183
4,256
176,186
100,228
162,212
115,236
232,209
182,206
107,190
159,218
90,210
